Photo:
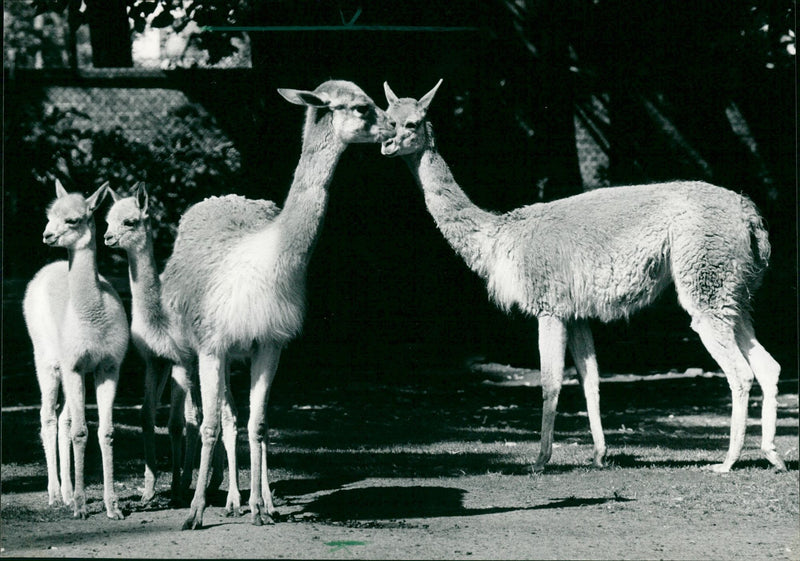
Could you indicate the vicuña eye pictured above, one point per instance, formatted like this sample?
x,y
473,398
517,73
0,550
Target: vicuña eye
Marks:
x,y
129,222
71,221
411,124
361,109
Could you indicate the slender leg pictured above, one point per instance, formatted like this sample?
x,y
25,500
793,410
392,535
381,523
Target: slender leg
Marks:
x,y
581,347
212,387
262,372
719,339
65,454
229,433
105,381
48,385
552,346
175,425
151,374
75,394
266,492
185,415
766,370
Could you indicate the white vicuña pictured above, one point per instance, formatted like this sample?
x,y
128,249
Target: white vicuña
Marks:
x,y
160,344
78,325
605,254
237,275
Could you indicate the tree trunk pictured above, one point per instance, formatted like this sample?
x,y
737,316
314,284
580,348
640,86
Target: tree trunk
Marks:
x,y
110,33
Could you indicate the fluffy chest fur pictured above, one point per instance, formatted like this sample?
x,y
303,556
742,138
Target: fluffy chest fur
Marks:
x,y
256,294
85,337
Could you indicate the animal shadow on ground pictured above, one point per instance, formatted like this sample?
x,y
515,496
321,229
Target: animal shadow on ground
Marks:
x,y
389,503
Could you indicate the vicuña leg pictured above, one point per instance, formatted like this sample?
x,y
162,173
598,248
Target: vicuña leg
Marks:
x,y
581,347
48,384
766,370
65,454
719,339
229,433
552,346
153,382
184,414
75,394
212,382
262,372
105,379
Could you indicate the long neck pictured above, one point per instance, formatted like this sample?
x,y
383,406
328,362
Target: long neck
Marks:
x,y
145,285
303,212
85,292
466,227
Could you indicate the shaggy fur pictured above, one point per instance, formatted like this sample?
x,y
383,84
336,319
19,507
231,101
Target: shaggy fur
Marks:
x,y
160,343
77,325
236,277
605,254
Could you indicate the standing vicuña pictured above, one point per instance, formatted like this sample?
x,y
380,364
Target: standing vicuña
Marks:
x,y
77,325
605,254
160,344
236,278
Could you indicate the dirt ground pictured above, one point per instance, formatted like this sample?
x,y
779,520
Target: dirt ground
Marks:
x,y
440,470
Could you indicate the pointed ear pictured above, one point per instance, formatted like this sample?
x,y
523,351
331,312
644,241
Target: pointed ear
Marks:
x,y
426,99
303,97
390,95
113,194
97,197
142,198
60,191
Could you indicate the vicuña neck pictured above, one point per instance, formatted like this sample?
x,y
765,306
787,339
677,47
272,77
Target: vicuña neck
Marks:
x,y
84,283
466,227
145,285
304,209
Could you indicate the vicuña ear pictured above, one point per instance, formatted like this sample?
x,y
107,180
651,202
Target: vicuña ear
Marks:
x,y
426,99
114,196
390,95
303,97
60,191
142,198
96,198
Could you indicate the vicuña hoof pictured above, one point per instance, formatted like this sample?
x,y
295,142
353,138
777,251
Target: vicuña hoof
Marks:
x,y
775,460
718,468
194,521
80,508
114,513
233,505
259,516
599,460
536,468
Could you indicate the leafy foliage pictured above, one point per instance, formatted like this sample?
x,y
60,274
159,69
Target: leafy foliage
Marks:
x,y
176,14
189,160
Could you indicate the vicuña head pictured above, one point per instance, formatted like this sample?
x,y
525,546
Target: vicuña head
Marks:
x,y
354,116
407,116
70,218
127,220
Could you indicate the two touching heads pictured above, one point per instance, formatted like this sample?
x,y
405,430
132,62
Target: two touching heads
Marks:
x,y
356,118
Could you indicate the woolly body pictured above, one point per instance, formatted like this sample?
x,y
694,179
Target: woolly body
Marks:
x,y
602,254
245,293
65,338
574,258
